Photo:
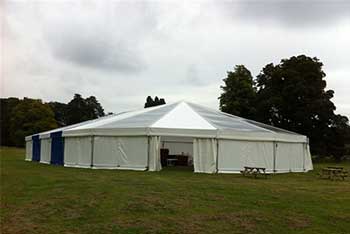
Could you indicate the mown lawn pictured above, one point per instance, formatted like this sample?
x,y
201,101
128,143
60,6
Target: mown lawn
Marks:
x,y
37,198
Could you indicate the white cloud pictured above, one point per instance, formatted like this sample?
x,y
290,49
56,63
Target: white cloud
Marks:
x,y
122,52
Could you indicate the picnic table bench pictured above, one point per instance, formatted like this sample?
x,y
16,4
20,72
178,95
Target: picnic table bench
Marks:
x,y
333,167
333,173
254,171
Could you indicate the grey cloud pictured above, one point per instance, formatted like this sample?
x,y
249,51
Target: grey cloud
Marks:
x,y
102,36
289,12
98,53
179,50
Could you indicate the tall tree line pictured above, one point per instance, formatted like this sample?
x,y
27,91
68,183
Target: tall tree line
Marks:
x,y
23,117
290,95
156,102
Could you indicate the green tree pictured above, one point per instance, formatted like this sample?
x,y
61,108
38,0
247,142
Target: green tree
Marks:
x,y
76,110
156,102
149,102
59,110
338,137
80,109
28,117
238,93
292,95
6,107
95,109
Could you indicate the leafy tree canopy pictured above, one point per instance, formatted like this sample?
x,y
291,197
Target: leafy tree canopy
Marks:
x,y
6,107
80,109
59,110
338,137
238,93
28,117
36,116
156,102
292,95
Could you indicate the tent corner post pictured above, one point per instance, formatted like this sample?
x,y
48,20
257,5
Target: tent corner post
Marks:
x,y
304,154
274,156
148,152
63,148
92,151
217,156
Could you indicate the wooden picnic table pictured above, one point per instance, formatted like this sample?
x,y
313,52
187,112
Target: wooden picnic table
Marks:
x,y
333,173
254,171
333,167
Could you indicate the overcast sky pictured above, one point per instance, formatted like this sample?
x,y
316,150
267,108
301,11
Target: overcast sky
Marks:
x,y
123,51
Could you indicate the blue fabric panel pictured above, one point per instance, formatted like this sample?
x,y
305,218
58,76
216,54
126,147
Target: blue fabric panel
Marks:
x,y
36,148
57,148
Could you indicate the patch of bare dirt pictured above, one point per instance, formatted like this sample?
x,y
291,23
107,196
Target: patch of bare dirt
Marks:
x,y
245,222
17,222
155,204
298,222
32,217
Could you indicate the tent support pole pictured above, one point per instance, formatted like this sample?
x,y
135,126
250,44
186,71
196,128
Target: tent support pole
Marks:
x,y
63,148
305,148
92,151
217,155
274,156
148,149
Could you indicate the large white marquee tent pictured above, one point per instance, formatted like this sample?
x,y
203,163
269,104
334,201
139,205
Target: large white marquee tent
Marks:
x,y
216,141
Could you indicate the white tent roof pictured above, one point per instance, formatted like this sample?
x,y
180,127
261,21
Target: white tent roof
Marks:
x,y
46,134
183,119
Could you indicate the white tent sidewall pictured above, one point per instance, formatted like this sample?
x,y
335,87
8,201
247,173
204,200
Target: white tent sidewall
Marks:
x,y
78,151
45,150
29,150
154,163
234,155
205,155
129,153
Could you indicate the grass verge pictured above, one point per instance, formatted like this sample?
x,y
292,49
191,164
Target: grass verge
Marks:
x,y
38,198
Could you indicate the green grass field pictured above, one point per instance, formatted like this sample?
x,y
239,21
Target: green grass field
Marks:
x,y
37,198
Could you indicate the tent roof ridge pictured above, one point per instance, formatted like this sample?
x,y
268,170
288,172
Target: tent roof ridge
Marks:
x,y
166,113
206,120
122,116
247,121
183,104
180,114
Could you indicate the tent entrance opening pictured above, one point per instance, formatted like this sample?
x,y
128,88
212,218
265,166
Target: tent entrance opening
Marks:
x,y
176,151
